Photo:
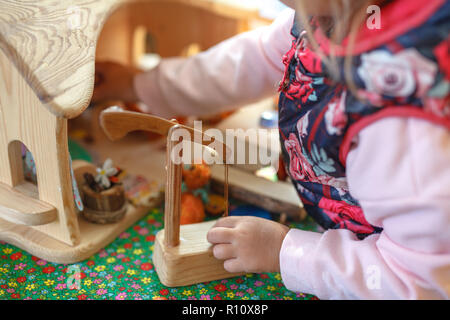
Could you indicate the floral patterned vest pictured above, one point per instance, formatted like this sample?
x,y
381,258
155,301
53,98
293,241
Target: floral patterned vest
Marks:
x,y
403,69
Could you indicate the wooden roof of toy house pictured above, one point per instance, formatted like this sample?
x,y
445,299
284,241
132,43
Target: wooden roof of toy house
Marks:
x,y
53,44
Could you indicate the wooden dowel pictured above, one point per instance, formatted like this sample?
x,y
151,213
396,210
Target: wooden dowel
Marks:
x,y
226,190
172,210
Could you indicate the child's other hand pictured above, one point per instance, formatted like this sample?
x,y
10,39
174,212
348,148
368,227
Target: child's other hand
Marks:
x,y
248,244
114,81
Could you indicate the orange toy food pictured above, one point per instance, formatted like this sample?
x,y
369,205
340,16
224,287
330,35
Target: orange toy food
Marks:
x,y
216,205
196,175
192,210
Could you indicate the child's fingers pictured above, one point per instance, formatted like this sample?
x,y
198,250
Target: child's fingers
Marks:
x,y
233,265
223,251
219,235
227,222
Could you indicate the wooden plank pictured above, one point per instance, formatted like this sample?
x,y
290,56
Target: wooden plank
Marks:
x,y
278,197
19,208
117,123
93,238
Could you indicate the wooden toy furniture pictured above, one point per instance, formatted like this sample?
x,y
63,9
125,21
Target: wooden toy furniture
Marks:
x,y
169,27
47,60
182,255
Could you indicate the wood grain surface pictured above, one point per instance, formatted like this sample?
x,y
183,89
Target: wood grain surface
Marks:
x,y
190,262
53,43
22,118
19,208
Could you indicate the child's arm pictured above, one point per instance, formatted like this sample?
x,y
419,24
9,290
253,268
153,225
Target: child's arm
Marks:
x,y
240,70
400,174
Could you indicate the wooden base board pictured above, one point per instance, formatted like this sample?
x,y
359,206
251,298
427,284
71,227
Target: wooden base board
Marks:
x,y
190,262
93,238
278,197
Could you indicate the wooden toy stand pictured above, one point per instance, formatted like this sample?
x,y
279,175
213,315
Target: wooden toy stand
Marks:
x,y
182,255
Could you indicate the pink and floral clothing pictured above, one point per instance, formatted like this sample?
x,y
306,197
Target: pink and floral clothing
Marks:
x,y
320,115
375,173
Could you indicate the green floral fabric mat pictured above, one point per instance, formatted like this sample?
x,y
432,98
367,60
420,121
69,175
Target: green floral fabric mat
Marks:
x,y
124,271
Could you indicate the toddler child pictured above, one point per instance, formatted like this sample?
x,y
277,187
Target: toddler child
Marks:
x,y
364,121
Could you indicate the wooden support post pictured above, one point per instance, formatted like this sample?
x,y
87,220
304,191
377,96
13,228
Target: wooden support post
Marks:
x,y
172,210
15,163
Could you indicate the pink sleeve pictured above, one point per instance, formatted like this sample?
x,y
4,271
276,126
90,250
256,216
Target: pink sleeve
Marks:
x,y
237,71
399,171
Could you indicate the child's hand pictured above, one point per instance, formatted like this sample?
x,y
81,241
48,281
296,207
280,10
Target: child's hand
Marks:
x,y
248,244
114,81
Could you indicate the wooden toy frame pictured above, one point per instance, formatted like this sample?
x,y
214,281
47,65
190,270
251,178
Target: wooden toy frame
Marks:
x,y
182,255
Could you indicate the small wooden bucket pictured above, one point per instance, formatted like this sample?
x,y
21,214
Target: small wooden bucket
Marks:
x,y
108,206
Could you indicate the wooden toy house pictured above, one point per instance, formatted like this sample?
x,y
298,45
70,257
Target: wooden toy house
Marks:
x,y
48,50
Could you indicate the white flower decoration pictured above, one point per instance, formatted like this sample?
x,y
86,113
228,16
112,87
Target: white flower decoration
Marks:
x,y
105,172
